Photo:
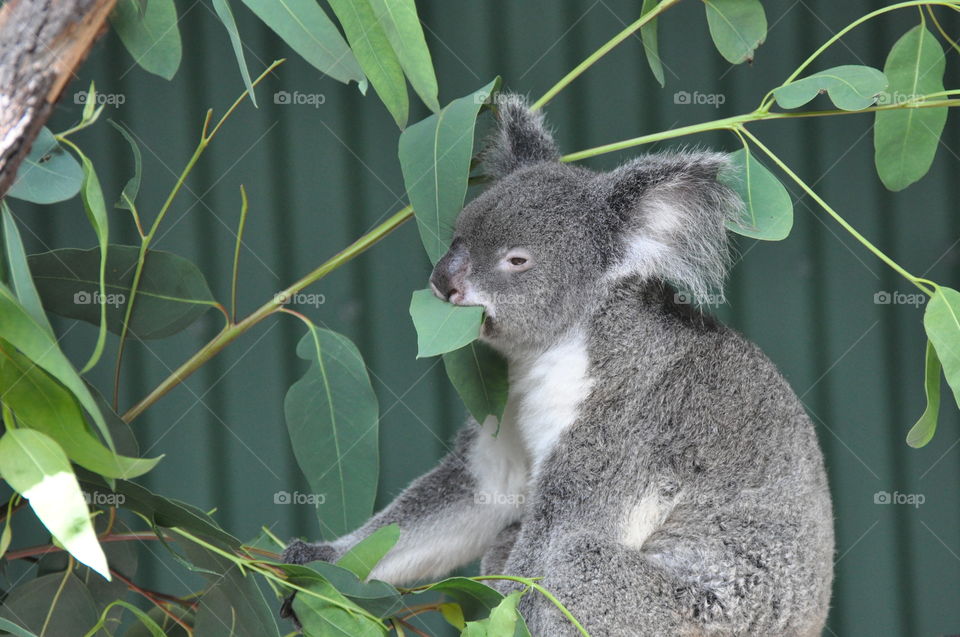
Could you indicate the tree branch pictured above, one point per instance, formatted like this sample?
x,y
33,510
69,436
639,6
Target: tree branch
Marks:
x,y
42,42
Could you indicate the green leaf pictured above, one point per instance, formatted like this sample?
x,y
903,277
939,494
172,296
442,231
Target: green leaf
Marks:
x,y
402,27
376,597
435,158
145,620
922,432
34,341
504,618
48,174
441,326
476,629
767,212
737,27
170,628
172,293
479,374
165,512
321,618
20,279
8,626
304,26
38,469
367,553
222,7
332,417
453,614
96,209
372,49
149,32
476,599
650,38
29,604
905,140
234,605
851,88
40,403
941,320
129,193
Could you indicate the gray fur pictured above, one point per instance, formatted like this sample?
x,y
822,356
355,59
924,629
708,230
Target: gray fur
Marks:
x,y
679,489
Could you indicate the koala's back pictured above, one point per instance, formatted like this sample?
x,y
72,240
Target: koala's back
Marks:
x,y
697,462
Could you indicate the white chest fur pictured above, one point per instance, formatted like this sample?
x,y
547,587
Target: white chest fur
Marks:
x,y
546,391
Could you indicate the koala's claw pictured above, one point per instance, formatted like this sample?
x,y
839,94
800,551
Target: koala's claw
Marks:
x,y
299,552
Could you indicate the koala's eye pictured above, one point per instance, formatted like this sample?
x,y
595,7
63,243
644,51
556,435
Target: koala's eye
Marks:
x,y
517,260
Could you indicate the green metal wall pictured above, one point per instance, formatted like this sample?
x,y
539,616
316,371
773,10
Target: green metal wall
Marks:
x,y
319,177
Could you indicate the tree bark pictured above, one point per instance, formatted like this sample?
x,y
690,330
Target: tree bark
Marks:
x,y
42,42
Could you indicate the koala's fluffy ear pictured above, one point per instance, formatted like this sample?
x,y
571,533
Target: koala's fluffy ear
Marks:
x,y
521,138
671,213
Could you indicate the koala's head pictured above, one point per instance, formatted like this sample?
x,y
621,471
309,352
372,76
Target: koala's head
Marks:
x,y
546,241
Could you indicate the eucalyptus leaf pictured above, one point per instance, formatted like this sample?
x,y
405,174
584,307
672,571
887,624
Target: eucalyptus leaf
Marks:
x,y
443,327
306,29
28,605
145,620
922,432
34,341
38,469
905,140
42,404
374,596
767,212
479,374
171,295
20,279
332,417
48,173
222,7
96,209
361,559
737,27
435,158
851,88
149,32
941,320
130,190
322,618
402,27
649,35
376,56
504,617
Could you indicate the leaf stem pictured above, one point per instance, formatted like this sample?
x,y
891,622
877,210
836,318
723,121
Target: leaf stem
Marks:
x,y
833,213
236,255
231,332
56,597
603,50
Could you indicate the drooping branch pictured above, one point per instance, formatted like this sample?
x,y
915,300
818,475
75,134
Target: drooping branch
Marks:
x,y
42,42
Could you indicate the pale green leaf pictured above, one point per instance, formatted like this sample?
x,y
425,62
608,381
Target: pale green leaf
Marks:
x,y
435,157
402,26
649,35
48,174
37,468
850,87
150,33
767,211
222,7
361,559
442,327
922,432
20,280
941,320
479,374
737,27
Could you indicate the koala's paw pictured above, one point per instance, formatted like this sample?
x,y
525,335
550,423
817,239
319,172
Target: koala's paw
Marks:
x,y
300,552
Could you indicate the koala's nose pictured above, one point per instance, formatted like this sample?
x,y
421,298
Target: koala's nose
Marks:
x,y
449,276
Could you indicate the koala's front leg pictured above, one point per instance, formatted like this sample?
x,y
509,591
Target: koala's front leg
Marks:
x,y
447,518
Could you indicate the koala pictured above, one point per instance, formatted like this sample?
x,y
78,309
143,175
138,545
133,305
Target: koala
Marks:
x,y
652,466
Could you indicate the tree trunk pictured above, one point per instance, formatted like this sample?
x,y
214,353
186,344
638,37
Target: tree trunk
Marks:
x,y
42,42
